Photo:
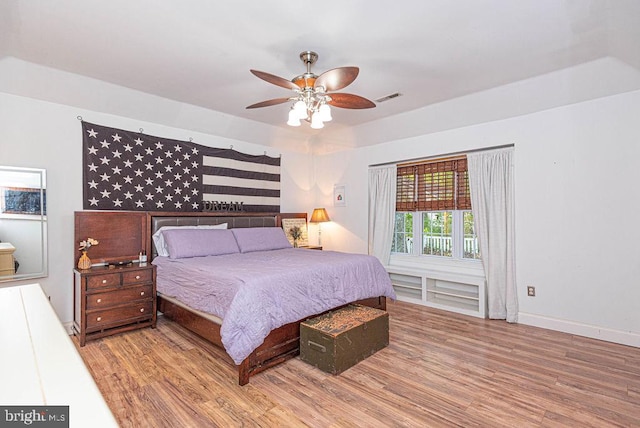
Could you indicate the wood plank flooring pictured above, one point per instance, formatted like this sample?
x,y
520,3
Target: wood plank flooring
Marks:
x,y
440,370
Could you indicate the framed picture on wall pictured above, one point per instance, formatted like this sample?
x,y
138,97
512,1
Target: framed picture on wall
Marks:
x,y
339,195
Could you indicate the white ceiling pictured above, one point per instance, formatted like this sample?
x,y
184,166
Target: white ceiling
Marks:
x,y
199,52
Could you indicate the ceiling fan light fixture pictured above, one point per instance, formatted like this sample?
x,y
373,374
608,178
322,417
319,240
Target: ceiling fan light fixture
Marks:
x,y
316,121
325,113
294,120
300,107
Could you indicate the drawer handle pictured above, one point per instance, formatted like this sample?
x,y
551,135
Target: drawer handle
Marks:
x,y
99,319
137,276
142,293
141,309
104,281
99,301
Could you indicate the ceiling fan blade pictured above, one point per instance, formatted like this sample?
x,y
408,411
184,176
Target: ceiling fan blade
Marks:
x,y
337,78
279,81
350,101
268,103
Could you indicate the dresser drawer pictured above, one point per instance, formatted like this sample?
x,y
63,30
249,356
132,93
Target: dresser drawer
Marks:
x,y
124,295
104,280
119,315
137,277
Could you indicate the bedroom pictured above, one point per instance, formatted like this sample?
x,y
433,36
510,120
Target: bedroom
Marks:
x,y
574,129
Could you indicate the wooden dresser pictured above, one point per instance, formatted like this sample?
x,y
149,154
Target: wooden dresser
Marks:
x,y
7,264
113,300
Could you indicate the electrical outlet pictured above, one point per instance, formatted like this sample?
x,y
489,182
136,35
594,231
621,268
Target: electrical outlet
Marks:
x,y
531,291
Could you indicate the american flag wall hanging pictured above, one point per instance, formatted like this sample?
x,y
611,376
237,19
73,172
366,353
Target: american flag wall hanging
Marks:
x,y
133,171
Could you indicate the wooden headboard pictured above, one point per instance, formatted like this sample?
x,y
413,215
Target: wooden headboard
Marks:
x,y
124,234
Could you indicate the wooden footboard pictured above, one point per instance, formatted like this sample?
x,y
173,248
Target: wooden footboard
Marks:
x,y
280,345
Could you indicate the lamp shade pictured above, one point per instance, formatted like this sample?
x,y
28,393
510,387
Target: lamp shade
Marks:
x,y
319,215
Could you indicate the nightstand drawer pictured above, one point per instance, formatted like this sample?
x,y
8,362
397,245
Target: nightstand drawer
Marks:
x,y
119,315
104,280
104,300
137,277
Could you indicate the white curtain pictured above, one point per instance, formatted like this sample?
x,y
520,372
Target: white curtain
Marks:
x,y
492,198
382,211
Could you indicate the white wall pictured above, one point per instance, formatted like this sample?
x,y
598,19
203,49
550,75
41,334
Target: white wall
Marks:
x,y
40,134
577,174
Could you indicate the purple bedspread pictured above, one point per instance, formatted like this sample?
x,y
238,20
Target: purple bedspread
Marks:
x,y
255,293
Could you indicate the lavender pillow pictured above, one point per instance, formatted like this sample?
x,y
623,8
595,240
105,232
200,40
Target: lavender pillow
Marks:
x,y
183,243
161,245
260,239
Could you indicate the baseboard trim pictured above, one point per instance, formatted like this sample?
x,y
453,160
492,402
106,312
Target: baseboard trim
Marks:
x,y
69,327
586,330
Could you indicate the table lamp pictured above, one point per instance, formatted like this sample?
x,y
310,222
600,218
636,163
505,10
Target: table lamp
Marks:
x,y
319,216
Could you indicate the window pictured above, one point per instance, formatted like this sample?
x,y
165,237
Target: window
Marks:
x,y
433,210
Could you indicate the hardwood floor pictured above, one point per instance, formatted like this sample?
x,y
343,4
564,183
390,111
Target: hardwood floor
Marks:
x,y
440,370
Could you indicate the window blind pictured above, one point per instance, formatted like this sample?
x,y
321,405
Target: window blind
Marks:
x,y
435,185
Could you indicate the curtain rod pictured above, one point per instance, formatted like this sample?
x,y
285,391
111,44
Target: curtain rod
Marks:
x,y
451,154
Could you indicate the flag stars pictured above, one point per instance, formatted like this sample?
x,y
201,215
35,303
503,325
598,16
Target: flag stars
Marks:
x,y
138,172
138,157
93,202
117,186
93,167
105,144
105,160
168,168
168,183
149,196
159,175
159,204
117,203
149,151
128,147
159,189
116,137
177,148
92,133
194,178
105,177
159,159
177,190
159,145
139,204
186,156
93,150
128,179
194,192
105,194
194,164
116,170
186,170
186,184
195,151
139,188
169,197
187,198
128,163
92,184
177,177
195,205
116,154
149,181
128,195
168,154
148,166
138,141
178,205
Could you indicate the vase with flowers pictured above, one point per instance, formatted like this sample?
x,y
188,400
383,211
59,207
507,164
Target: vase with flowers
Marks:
x,y
296,233
85,262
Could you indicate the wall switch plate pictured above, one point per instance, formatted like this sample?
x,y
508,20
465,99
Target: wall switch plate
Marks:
x,y
531,291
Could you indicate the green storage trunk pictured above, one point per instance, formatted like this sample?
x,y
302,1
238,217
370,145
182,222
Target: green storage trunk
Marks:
x,y
337,340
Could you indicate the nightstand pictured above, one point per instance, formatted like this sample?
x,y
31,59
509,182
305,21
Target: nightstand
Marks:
x,y
312,247
110,300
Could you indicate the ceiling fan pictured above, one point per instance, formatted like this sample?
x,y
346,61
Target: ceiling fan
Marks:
x,y
314,94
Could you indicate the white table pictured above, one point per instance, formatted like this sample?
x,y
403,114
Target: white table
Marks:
x,y
39,364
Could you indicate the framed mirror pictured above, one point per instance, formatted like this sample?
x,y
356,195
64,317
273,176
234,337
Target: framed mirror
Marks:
x,y
23,223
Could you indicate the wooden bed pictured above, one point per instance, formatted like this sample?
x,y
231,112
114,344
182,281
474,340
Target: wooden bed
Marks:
x,y
282,343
